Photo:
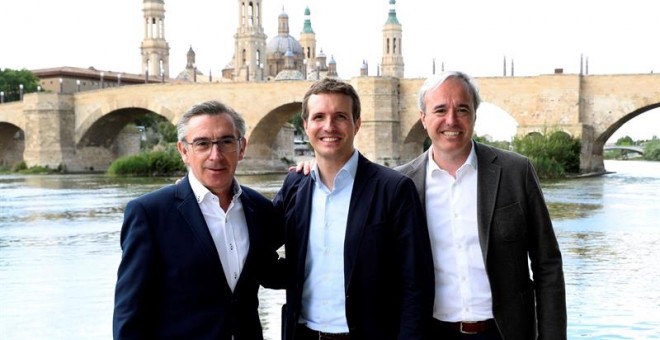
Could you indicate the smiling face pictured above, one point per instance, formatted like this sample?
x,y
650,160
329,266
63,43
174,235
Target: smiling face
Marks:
x,y
330,126
449,119
214,169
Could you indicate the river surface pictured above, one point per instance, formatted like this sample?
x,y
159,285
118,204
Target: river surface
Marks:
x,y
59,252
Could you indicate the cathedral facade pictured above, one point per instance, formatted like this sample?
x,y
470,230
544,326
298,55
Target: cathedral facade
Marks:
x,y
283,57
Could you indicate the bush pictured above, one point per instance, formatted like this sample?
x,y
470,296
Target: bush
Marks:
x,y
652,149
554,155
159,163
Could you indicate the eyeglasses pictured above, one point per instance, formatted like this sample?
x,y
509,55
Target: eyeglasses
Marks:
x,y
204,145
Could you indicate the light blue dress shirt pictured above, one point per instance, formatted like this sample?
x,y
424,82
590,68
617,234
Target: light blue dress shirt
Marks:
x,y
323,300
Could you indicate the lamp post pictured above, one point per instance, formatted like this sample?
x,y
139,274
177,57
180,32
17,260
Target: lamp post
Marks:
x,y
61,85
2,97
261,66
102,74
194,73
146,76
119,80
318,73
20,91
78,84
305,69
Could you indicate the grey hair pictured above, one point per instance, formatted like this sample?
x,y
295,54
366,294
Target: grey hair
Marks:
x,y
210,108
435,81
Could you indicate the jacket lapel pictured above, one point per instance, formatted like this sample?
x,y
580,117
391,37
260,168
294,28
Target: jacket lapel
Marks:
x,y
361,197
192,214
303,211
488,180
254,236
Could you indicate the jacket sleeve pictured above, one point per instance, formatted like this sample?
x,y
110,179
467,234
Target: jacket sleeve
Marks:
x,y
546,263
416,263
132,294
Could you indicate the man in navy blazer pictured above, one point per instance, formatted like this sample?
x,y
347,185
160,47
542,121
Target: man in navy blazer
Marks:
x,y
357,246
195,253
488,222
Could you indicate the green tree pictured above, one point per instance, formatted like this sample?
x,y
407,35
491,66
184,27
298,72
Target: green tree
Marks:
x,y
554,154
625,141
10,81
652,149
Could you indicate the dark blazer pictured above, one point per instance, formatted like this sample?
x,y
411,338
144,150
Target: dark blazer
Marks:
x,y
170,283
388,267
514,226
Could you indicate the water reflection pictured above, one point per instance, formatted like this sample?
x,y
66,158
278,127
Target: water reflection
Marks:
x,y
59,251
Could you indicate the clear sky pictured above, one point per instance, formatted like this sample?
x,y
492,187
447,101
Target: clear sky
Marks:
x,y
469,35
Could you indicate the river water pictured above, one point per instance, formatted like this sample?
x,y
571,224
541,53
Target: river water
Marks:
x,y
59,252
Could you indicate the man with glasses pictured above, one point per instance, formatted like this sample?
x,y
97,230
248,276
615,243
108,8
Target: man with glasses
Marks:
x,y
194,253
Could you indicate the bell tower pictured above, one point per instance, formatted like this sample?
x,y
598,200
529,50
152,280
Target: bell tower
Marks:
x,y
250,42
154,47
392,62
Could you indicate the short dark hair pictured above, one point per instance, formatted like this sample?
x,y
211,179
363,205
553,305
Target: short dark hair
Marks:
x,y
210,108
329,85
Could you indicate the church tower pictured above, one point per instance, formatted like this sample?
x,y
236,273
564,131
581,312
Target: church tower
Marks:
x,y
154,48
250,42
308,40
392,62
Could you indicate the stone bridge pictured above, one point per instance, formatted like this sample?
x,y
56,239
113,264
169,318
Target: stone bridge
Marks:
x,y
85,131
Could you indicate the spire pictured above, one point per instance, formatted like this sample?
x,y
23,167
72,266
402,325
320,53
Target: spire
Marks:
x,y
283,23
191,58
391,18
307,27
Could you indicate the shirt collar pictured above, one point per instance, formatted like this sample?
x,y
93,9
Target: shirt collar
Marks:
x,y
201,191
349,169
470,161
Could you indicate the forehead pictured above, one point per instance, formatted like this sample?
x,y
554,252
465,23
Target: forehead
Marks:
x,y
329,102
205,125
453,89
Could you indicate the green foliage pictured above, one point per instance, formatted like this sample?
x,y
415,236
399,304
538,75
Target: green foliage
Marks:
x,y
652,149
167,131
159,163
500,144
10,80
157,131
297,122
554,155
625,141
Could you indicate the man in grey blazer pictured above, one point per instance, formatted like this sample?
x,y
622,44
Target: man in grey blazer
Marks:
x,y
487,221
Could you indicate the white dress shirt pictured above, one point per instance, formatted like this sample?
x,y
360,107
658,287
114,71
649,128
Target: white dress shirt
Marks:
x,y
462,289
228,228
323,299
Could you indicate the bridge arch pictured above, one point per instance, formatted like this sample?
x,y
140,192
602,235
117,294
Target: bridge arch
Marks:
x,y
12,144
602,138
262,139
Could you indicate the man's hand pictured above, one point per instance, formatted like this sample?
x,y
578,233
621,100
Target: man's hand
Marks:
x,y
305,167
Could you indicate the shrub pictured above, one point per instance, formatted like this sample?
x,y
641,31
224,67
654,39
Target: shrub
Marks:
x,y
554,154
166,162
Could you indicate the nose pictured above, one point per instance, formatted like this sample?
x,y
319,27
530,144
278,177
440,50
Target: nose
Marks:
x,y
451,116
215,152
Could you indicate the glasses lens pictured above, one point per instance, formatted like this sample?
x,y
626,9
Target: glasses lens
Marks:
x,y
225,145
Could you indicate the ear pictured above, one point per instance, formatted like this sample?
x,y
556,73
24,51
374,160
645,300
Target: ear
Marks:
x,y
241,151
182,151
358,123
422,117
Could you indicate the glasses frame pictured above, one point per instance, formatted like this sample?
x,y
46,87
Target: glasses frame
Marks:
x,y
195,146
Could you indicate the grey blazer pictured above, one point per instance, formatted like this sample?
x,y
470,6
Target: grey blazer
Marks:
x,y
514,226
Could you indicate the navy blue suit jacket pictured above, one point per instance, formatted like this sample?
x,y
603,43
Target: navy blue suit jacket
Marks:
x,y
388,267
170,282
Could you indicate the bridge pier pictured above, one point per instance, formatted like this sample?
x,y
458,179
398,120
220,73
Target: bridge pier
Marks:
x,y
378,138
50,121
